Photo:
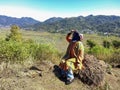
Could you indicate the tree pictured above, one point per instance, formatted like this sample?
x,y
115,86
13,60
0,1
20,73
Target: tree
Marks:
x,y
15,35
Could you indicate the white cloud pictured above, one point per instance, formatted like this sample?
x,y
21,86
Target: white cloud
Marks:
x,y
42,15
25,12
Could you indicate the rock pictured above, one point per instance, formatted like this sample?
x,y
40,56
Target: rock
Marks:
x,y
94,71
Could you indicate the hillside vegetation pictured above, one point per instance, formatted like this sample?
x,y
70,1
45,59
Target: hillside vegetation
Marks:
x,y
27,60
103,47
88,24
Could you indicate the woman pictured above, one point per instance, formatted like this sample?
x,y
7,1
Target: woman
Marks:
x,y
72,60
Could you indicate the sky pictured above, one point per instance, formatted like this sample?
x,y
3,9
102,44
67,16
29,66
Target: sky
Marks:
x,y
45,9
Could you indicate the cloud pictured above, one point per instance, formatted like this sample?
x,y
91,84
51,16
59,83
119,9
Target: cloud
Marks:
x,y
37,14
25,12
42,15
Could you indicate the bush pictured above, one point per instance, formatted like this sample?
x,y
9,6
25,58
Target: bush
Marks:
x,y
116,44
91,43
20,51
13,51
106,44
102,53
116,56
15,35
109,55
45,52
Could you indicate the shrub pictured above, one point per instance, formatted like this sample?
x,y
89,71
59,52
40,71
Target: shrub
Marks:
x,y
15,35
116,56
46,52
91,43
116,44
106,44
13,51
102,53
20,51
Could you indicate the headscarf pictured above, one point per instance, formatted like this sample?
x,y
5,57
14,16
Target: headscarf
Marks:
x,y
77,36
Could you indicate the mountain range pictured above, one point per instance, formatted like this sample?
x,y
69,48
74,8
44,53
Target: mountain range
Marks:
x,y
22,22
99,23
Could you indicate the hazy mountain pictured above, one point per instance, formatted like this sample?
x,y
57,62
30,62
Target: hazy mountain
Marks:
x,y
22,22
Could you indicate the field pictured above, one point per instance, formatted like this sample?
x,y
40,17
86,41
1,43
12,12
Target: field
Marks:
x,y
59,42
15,76
57,39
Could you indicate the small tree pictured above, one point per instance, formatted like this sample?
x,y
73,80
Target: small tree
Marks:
x,y
91,43
106,44
15,35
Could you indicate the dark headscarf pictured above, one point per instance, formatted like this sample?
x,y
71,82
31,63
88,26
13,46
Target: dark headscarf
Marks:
x,y
76,36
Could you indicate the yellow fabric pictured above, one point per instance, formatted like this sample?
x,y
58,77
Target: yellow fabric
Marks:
x,y
80,45
71,63
79,50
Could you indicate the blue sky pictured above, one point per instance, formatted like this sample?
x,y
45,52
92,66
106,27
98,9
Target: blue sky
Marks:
x,y
44,9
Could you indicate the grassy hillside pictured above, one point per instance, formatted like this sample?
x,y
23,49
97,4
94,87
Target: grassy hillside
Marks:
x,y
32,68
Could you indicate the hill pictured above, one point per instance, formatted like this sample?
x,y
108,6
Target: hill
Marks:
x,y
33,74
88,24
53,19
22,22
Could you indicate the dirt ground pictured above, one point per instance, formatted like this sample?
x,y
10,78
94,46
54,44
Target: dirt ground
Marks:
x,y
41,76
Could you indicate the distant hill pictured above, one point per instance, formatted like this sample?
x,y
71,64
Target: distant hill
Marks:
x,y
88,24
22,22
53,19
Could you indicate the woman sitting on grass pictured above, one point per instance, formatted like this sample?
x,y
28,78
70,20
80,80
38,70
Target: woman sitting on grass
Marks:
x,y
72,61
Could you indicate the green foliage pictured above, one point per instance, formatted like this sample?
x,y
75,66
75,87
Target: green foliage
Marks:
x,y
88,24
34,41
106,44
107,50
91,43
102,53
45,52
13,51
109,55
15,35
116,44
115,56
20,51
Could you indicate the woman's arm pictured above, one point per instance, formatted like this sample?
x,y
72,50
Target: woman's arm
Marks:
x,y
69,36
